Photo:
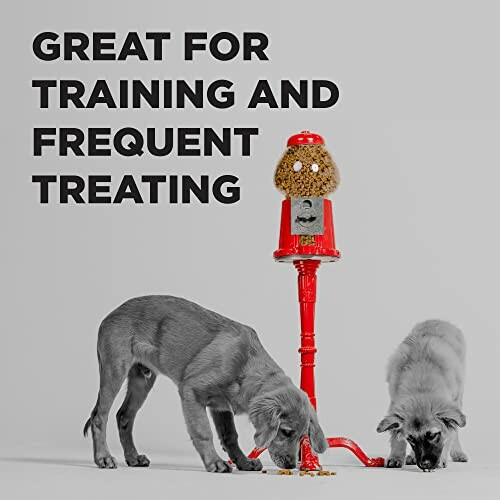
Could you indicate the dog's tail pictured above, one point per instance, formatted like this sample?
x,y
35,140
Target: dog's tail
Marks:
x,y
89,421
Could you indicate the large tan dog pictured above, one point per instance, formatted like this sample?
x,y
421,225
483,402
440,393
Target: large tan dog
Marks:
x,y
426,381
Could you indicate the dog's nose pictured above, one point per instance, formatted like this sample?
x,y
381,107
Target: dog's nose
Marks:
x,y
426,464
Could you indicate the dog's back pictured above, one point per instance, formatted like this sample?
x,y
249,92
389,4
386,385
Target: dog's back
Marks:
x,y
430,360
167,333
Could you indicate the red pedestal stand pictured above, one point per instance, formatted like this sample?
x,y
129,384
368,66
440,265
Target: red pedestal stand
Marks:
x,y
306,260
307,299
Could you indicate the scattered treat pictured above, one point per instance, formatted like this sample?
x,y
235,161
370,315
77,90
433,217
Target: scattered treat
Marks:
x,y
302,473
307,472
326,473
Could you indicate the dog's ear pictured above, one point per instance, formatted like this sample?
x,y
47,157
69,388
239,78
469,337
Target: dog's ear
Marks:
x,y
452,417
316,435
265,417
390,423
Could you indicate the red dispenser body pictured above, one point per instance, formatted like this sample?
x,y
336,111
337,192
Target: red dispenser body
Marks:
x,y
290,248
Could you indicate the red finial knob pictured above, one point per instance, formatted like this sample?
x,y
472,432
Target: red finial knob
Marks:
x,y
305,137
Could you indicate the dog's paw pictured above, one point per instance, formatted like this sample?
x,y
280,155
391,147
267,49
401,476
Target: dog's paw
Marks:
x,y
249,464
107,462
219,465
394,463
138,461
459,456
410,459
443,463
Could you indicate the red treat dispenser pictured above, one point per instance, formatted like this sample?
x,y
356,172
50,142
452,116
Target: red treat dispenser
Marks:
x,y
306,174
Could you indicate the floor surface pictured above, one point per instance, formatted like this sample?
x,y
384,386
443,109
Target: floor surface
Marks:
x,y
63,475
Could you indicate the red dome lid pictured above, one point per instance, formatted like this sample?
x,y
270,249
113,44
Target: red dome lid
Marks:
x,y
305,137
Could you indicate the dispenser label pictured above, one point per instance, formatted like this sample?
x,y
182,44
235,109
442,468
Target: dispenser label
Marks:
x,y
307,215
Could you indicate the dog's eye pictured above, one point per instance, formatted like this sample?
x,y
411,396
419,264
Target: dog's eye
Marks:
x,y
297,166
432,436
314,167
288,433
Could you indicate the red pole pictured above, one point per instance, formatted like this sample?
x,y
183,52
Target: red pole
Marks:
x,y
307,299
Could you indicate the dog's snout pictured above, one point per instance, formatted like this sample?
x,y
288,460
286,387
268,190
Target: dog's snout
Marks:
x,y
284,461
427,464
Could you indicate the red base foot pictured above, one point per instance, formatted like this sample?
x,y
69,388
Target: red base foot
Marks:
x,y
256,452
310,461
341,442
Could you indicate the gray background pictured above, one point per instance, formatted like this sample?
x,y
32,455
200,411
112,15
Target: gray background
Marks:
x,y
415,135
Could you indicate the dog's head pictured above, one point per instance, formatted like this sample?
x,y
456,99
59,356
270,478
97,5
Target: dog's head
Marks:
x,y
427,424
281,418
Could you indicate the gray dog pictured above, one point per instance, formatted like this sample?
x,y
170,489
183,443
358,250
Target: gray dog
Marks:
x,y
216,363
426,383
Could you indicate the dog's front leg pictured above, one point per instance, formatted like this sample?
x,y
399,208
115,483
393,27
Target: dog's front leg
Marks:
x,y
398,451
410,458
224,423
443,461
456,452
198,426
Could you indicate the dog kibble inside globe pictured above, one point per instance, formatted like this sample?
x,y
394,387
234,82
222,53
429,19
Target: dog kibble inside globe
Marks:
x,y
306,168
